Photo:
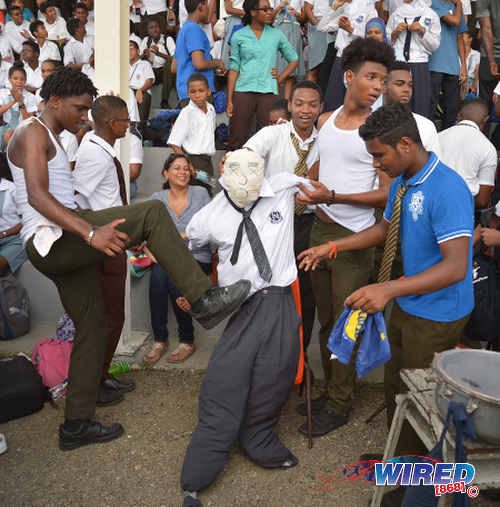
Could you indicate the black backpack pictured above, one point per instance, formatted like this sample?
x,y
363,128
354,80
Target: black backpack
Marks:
x,y
14,309
21,389
484,321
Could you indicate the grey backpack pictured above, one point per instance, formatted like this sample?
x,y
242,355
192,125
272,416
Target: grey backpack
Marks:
x,y
14,309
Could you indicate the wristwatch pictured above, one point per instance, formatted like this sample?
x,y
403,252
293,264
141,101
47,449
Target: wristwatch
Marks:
x,y
22,106
332,197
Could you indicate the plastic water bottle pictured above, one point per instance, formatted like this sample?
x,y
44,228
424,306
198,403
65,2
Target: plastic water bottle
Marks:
x,y
204,177
119,367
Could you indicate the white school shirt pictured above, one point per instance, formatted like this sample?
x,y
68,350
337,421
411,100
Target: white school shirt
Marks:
x,y
274,145
466,7
473,61
6,97
470,153
320,7
217,224
421,46
346,167
96,179
89,71
57,30
69,143
14,36
136,151
194,130
49,51
391,5
77,52
9,216
154,6
5,48
90,28
33,77
164,46
428,134
359,13
138,73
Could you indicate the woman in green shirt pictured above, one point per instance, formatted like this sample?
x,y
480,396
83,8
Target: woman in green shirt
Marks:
x,y
253,81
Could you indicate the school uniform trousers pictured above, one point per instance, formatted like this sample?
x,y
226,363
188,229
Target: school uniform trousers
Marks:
x,y
422,89
71,265
450,98
248,380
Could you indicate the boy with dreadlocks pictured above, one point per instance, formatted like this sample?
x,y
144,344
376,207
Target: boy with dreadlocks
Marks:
x,y
66,244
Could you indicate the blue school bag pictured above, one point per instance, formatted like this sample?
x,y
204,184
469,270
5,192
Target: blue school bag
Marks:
x,y
353,325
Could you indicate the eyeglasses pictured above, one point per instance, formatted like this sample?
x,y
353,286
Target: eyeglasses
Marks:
x,y
263,9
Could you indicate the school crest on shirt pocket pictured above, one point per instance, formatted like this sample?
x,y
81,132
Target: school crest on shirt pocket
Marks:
x,y
416,206
275,217
427,21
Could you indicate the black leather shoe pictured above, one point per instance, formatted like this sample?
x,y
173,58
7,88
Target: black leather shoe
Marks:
x,y
107,396
89,432
289,462
122,384
189,501
217,303
316,405
324,422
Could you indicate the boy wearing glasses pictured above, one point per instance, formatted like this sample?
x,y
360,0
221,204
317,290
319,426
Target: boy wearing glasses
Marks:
x,y
100,184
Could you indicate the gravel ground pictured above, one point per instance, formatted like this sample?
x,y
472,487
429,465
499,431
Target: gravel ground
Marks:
x,y
143,467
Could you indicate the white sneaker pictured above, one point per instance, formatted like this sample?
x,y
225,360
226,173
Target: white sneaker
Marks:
x,y
3,444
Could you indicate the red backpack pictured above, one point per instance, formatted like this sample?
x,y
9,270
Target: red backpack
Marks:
x,y
51,358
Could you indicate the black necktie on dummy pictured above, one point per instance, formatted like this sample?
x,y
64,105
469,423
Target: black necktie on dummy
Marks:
x,y
259,254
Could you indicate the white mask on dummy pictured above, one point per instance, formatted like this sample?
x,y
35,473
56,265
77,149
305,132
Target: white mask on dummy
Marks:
x,y
243,176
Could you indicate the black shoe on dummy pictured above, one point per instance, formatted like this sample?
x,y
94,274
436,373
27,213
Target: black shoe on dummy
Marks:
x,y
324,422
86,433
122,384
189,501
107,396
316,405
217,303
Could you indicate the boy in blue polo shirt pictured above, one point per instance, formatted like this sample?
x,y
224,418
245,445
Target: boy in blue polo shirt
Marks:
x,y
435,297
192,50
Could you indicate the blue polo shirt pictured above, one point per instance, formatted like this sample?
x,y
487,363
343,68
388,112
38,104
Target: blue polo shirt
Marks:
x,y
191,38
445,59
437,207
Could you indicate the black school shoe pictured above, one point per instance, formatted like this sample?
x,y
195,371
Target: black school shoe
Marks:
x,y
89,432
217,303
290,462
107,396
324,422
122,384
316,405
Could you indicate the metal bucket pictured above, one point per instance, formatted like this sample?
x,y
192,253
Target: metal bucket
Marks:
x,y
471,377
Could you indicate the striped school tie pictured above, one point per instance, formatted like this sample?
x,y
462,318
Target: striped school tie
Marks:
x,y
301,168
392,240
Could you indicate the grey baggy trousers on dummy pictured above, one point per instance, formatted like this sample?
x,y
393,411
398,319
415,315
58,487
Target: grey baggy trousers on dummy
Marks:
x,y
248,380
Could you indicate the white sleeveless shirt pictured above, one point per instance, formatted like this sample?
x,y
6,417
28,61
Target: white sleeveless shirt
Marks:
x,y
346,167
62,188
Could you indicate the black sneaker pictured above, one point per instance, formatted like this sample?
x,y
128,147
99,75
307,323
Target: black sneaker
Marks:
x,y
107,396
316,405
324,422
122,384
217,303
89,432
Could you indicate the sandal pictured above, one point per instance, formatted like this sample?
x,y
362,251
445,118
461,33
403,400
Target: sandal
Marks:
x,y
155,353
181,353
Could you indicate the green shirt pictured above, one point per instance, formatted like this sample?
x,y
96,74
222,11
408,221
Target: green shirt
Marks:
x,y
255,58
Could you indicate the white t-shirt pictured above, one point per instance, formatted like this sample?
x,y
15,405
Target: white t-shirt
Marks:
x,y
274,145
6,97
347,167
77,52
217,224
33,77
470,153
57,30
9,216
194,130
49,51
164,46
428,134
473,61
139,72
96,179
13,33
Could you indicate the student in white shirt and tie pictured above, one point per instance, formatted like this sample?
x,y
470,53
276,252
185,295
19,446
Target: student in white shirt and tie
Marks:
x,y
254,363
100,184
277,146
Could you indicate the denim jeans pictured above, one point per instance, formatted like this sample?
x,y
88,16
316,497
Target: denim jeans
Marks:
x,y
160,288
